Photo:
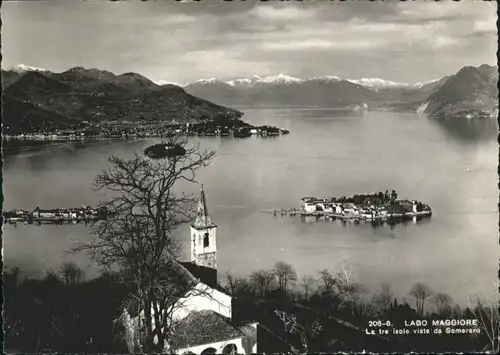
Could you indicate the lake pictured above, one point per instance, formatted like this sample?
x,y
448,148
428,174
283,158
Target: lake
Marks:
x,y
449,164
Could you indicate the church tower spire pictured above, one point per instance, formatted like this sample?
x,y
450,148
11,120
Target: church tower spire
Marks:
x,y
202,217
203,236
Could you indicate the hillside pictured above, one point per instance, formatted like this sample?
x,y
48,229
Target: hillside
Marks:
x,y
472,91
9,77
22,117
80,94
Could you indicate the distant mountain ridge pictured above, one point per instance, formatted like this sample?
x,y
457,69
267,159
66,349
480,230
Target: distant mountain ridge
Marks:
x,y
283,90
86,94
35,98
373,83
458,94
324,91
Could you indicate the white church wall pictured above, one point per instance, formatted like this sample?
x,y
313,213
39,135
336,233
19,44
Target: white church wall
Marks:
x,y
202,298
218,346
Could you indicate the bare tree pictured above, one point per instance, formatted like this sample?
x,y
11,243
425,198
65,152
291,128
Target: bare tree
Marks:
x,y
231,282
443,302
285,275
345,275
263,280
347,284
485,310
307,283
136,238
384,298
70,273
305,331
328,280
421,292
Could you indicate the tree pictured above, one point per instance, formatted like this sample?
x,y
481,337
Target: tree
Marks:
x,y
421,292
394,195
345,276
70,273
347,284
328,281
485,310
384,298
285,275
380,197
442,301
231,282
262,281
307,283
136,238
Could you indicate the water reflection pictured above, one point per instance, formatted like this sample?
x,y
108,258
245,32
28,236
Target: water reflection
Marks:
x,y
467,130
323,114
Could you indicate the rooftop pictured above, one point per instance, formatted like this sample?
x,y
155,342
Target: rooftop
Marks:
x,y
204,327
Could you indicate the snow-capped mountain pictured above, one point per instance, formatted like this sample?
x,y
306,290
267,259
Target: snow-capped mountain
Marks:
x,y
281,89
420,85
377,84
256,79
21,68
373,84
207,81
167,82
244,81
12,74
325,78
279,79
318,91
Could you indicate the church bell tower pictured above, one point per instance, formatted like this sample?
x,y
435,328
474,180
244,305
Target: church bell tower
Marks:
x,y
203,237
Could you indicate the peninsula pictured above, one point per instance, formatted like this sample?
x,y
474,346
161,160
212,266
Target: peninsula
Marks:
x,y
97,104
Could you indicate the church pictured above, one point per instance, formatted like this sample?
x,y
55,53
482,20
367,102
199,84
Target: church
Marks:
x,y
203,316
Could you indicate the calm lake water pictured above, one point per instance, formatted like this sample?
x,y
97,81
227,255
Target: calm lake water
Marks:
x,y
449,164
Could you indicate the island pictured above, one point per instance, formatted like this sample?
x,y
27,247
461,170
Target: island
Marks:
x,y
375,208
164,150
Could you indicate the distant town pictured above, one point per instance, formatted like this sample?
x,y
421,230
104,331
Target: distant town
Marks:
x,y
152,129
82,214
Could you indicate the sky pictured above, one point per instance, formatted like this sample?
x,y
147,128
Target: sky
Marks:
x,y
183,41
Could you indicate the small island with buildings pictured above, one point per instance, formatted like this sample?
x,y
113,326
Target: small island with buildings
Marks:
x,y
375,208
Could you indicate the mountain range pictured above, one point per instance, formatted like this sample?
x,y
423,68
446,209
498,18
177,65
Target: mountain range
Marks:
x,y
472,89
36,99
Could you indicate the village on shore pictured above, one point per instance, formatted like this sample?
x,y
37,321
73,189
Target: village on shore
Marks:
x,y
82,214
153,129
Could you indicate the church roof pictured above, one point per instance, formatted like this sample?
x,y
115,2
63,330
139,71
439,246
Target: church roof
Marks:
x,y
204,274
180,277
202,217
174,277
204,327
